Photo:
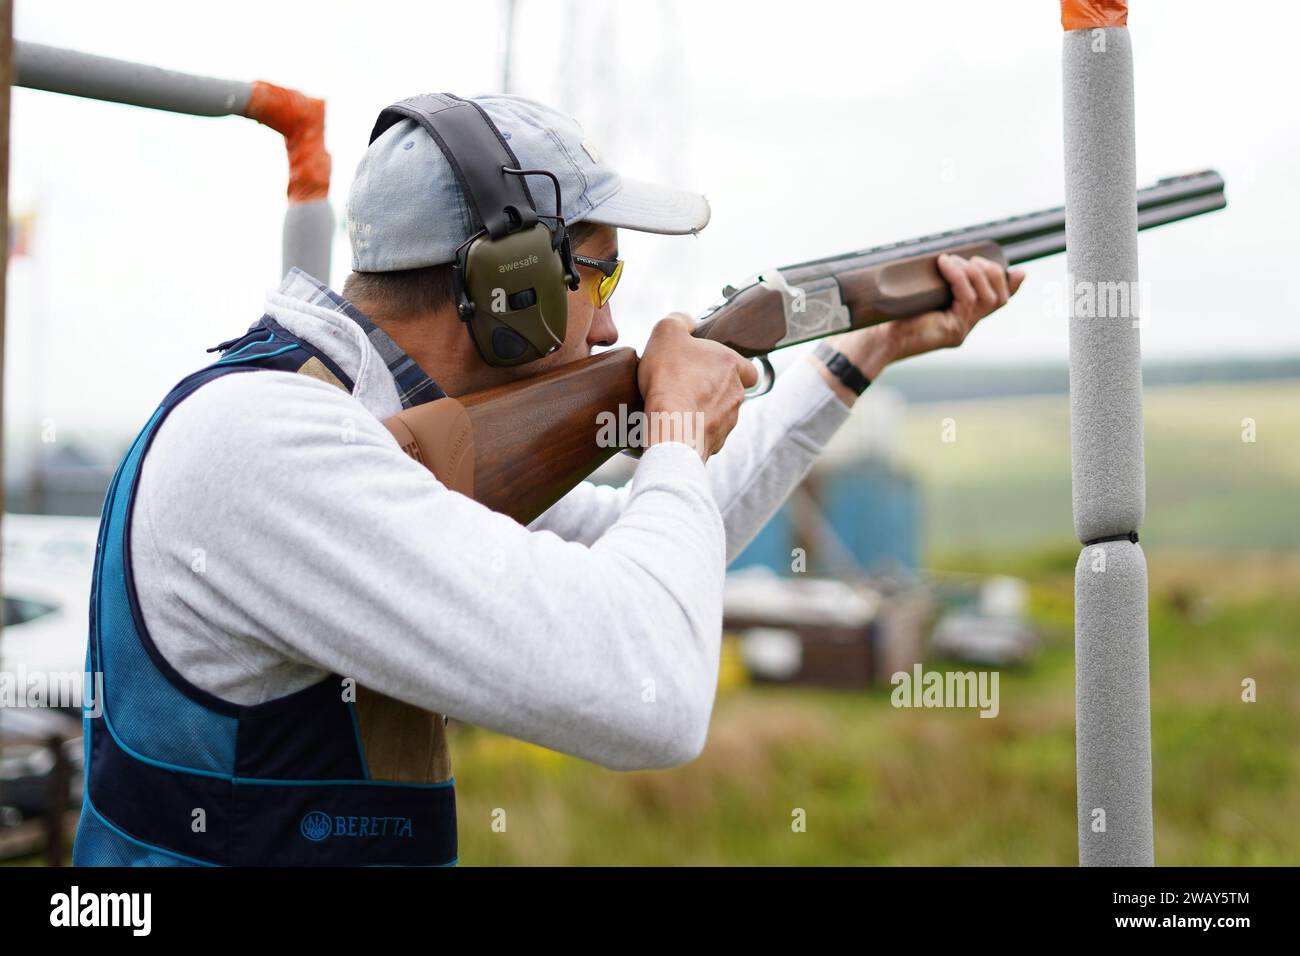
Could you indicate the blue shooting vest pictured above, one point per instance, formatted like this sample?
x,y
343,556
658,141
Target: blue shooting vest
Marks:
x,y
176,776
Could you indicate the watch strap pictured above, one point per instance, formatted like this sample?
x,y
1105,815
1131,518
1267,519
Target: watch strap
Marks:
x,y
844,370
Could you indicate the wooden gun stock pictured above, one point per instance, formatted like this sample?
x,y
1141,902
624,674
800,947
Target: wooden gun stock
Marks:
x,y
521,447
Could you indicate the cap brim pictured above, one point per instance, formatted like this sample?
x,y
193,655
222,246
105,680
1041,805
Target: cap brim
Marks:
x,y
650,207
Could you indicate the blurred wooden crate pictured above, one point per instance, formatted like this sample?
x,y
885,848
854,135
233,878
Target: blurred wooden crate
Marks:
x,y
850,646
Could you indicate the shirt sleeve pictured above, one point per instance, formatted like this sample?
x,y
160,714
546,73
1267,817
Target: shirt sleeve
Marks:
x,y
767,454
325,542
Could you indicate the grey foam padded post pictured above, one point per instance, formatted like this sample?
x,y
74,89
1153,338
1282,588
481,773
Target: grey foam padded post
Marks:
x,y
308,236
56,70
1112,706
1113,729
1101,239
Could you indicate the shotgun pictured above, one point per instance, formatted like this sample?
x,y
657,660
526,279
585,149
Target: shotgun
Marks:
x,y
519,448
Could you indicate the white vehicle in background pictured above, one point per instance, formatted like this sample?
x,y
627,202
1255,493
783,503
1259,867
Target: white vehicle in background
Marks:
x,y
48,560
47,567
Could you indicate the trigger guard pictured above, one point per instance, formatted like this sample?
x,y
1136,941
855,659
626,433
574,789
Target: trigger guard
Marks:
x,y
766,377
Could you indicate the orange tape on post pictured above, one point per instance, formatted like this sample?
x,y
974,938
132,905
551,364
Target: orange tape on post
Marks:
x,y
301,120
1091,14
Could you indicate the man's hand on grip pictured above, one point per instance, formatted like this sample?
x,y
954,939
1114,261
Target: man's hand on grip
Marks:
x,y
692,387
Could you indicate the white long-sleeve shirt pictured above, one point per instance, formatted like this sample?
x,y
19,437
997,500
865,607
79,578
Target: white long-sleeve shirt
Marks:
x,y
280,534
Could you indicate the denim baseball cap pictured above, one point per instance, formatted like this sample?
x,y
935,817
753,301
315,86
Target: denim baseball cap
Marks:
x,y
406,209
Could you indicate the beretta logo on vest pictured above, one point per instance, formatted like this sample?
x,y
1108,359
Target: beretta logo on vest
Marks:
x,y
318,825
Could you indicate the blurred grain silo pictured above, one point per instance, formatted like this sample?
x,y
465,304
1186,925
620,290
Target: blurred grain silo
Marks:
x,y
859,509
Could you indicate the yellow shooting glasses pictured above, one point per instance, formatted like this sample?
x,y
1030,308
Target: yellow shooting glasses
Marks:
x,y
611,269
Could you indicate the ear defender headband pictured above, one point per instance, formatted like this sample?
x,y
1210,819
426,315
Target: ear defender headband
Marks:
x,y
511,276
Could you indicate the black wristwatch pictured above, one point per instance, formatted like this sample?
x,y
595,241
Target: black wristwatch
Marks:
x,y
842,368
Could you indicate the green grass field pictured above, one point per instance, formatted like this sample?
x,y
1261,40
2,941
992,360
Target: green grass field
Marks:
x,y
1005,482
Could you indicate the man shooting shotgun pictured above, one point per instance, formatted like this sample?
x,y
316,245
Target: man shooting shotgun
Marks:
x,y
285,602
523,446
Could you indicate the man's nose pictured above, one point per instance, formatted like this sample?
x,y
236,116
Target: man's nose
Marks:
x,y
603,331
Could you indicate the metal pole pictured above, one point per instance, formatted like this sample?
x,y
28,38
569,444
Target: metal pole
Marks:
x,y
56,70
309,221
508,55
6,79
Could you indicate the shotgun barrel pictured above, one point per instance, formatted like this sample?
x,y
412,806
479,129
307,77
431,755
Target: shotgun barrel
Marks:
x,y
1035,235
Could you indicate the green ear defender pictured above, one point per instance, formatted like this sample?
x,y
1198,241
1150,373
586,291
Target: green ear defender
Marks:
x,y
511,277
513,295
512,292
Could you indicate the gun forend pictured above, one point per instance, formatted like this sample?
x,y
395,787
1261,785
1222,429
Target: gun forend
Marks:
x,y
770,314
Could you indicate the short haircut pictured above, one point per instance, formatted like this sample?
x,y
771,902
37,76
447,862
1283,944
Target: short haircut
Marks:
x,y
410,292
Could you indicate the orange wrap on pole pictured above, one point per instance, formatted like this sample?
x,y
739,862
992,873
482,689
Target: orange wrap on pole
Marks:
x,y
1091,14
301,120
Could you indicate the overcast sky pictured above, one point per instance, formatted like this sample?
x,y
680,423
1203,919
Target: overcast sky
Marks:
x,y
813,128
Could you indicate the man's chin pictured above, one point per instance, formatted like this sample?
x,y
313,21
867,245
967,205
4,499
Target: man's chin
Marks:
x,y
552,361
